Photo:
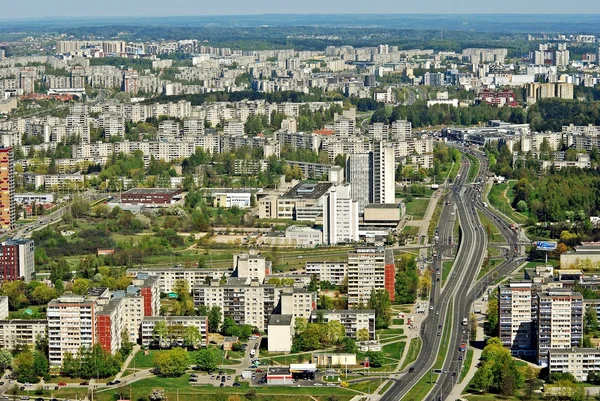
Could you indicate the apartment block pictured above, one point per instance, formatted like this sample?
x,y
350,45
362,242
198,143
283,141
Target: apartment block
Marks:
x,y
3,308
149,322
353,320
517,315
18,333
110,325
148,288
168,276
340,216
577,361
71,326
7,189
297,302
251,265
333,272
245,300
17,260
369,269
559,321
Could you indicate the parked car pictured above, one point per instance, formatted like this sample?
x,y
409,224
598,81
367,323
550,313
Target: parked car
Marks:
x,y
222,385
61,384
236,384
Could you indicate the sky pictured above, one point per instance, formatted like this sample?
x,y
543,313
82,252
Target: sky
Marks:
x,y
132,8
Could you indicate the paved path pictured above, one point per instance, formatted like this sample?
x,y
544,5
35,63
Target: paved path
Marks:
x,y
136,348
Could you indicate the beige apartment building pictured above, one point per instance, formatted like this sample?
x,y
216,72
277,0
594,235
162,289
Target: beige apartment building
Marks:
x,y
19,333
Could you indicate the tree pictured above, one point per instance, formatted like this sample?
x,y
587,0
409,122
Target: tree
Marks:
x,y
376,358
191,336
522,206
591,320
207,360
172,363
5,359
70,367
348,345
80,208
530,375
157,394
381,303
24,367
16,291
160,332
363,334
40,363
81,286
214,319
492,316
334,332
42,294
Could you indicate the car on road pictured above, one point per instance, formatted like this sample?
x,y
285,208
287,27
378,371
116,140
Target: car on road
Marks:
x,y
318,384
460,358
84,384
431,307
412,369
117,382
61,384
437,312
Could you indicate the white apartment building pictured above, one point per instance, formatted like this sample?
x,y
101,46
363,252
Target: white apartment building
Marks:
x,y
577,361
297,302
168,276
251,265
332,272
401,130
516,312
3,308
71,326
353,320
559,321
280,333
200,322
358,174
133,314
340,216
369,269
245,300
18,333
384,174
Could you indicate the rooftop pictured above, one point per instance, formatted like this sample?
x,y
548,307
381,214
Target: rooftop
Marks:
x,y
152,191
281,320
306,190
382,206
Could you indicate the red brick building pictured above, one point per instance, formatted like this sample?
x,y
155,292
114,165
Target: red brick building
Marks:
x,y
7,189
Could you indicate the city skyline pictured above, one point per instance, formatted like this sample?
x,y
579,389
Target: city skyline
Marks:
x,y
137,8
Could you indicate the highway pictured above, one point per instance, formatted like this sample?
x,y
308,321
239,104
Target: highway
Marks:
x,y
461,288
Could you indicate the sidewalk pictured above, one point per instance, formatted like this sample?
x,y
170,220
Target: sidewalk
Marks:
x,y
134,351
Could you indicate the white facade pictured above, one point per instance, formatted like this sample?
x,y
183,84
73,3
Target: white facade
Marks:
x,y
280,333
577,361
384,174
340,216
19,333
333,272
3,308
168,277
200,322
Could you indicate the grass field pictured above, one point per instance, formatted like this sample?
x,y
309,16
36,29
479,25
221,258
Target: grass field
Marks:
x,y
446,268
466,365
180,387
435,218
439,362
486,267
499,201
410,230
394,350
397,322
386,387
367,386
489,227
417,208
421,389
456,230
413,352
473,168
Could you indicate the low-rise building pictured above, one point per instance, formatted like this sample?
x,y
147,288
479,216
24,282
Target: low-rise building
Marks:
x,y
338,360
149,322
241,198
577,361
332,272
383,214
353,320
19,333
151,196
280,332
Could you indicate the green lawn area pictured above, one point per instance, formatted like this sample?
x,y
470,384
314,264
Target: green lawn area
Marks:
x,y
394,350
388,332
180,386
413,352
417,208
435,218
367,386
500,202
493,251
456,230
142,361
398,322
386,387
446,268
36,313
466,365
421,389
473,168
486,267
410,230
489,227
63,392
439,362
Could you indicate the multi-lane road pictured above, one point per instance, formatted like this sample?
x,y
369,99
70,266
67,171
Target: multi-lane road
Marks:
x,y
461,288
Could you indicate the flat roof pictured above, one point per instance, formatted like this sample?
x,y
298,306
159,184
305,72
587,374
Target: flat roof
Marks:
x,y
152,191
281,320
383,206
308,190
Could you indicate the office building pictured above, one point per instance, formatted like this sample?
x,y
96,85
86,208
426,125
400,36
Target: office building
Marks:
x,y
340,216
304,202
559,321
18,333
516,317
71,326
17,260
7,189
370,269
353,320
